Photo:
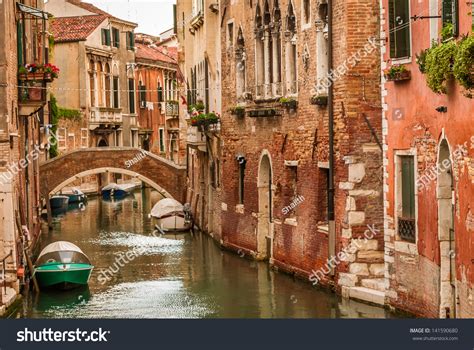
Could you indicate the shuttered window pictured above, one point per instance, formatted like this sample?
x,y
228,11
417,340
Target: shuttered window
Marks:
x,y
115,83
116,37
131,95
399,23
406,218
106,37
451,14
130,40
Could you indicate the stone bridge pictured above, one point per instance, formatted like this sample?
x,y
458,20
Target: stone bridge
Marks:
x,y
161,174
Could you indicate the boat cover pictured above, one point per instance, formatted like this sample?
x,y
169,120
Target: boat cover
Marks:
x,y
165,207
123,187
60,246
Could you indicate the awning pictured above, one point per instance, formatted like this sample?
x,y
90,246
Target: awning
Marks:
x,y
32,11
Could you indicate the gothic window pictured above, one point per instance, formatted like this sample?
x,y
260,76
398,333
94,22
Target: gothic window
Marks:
x,y
276,45
92,82
100,85
322,82
268,51
291,51
107,85
240,68
259,52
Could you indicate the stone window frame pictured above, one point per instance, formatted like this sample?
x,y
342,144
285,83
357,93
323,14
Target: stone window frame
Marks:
x,y
410,247
306,21
84,139
230,37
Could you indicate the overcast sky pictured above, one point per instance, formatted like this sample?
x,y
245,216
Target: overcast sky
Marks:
x,y
153,16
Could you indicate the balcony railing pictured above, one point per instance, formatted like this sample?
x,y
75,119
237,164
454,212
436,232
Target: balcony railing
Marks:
x,y
106,115
171,109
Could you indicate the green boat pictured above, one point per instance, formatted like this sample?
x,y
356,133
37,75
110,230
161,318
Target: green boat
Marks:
x,y
62,265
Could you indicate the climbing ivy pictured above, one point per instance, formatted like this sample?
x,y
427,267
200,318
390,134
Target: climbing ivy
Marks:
x,y
53,147
71,114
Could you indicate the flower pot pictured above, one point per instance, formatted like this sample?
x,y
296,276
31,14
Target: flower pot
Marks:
x,y
398,76
319,100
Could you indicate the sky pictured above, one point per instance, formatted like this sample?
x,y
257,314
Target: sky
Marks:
x,y
153,16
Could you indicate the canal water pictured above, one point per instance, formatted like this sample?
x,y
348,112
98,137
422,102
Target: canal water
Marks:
x,y
172,277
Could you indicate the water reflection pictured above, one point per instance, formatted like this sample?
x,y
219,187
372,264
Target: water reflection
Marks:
x,y
172,277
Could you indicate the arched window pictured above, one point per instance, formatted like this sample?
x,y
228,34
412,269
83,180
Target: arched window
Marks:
x,y
276,45
267,50
107,86
291,51
100,85
259,53
116,87
240,65
160,92
92,87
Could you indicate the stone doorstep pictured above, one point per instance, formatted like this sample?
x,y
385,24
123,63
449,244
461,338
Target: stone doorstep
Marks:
x,y
374,283
8,299
367,295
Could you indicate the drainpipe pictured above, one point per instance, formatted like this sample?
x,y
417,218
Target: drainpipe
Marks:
x,y
331,216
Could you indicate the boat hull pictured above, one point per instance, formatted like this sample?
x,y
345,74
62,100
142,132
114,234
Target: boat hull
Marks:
x,y
173,223
63,276
76,198
59,203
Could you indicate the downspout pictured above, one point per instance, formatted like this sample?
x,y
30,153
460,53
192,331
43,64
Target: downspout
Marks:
x,y
331,215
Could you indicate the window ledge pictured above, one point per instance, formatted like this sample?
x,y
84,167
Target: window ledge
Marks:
x,y
406,247
405,60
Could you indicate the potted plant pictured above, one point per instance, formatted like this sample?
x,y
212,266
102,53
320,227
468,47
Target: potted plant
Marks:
x,y
238,111
199,107
32,71
319,100
50,71
397,72
289,103
463,68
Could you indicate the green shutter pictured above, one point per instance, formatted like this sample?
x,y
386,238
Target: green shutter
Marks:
x,y
399,24
408,187
107,37
19,41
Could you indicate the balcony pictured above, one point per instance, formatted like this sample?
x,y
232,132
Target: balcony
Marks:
x,y
32,92
171,109
195,138
197,21
105,115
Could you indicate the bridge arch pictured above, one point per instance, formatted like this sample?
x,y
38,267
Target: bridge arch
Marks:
x,y
161,174
146,180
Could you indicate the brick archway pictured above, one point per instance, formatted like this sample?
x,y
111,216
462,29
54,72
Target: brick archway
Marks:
x,y
158,172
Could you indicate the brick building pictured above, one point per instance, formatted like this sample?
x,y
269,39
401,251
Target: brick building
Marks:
x,y
272,195
199,59
23,120
97,52
428,150
160,125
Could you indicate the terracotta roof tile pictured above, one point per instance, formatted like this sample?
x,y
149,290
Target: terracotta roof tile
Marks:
x,y
154,53
89,7
66,29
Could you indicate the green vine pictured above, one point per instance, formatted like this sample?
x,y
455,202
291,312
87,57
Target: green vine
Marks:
x,y
463,68
53,146
71,114
439,65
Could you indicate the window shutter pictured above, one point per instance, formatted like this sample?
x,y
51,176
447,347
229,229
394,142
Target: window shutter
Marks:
x,y
408,187
19,39
132,40
160,94
107,37
399,23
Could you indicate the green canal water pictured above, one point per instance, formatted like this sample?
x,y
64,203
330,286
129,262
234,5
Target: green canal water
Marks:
x,y
172,277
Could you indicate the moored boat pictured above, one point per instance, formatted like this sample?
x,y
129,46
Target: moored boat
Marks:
x,y
59,202
76,196
171,216
62,265
117,190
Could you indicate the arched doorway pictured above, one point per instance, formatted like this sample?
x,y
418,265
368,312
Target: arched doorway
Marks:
x,y
265,208
102,143
446,233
